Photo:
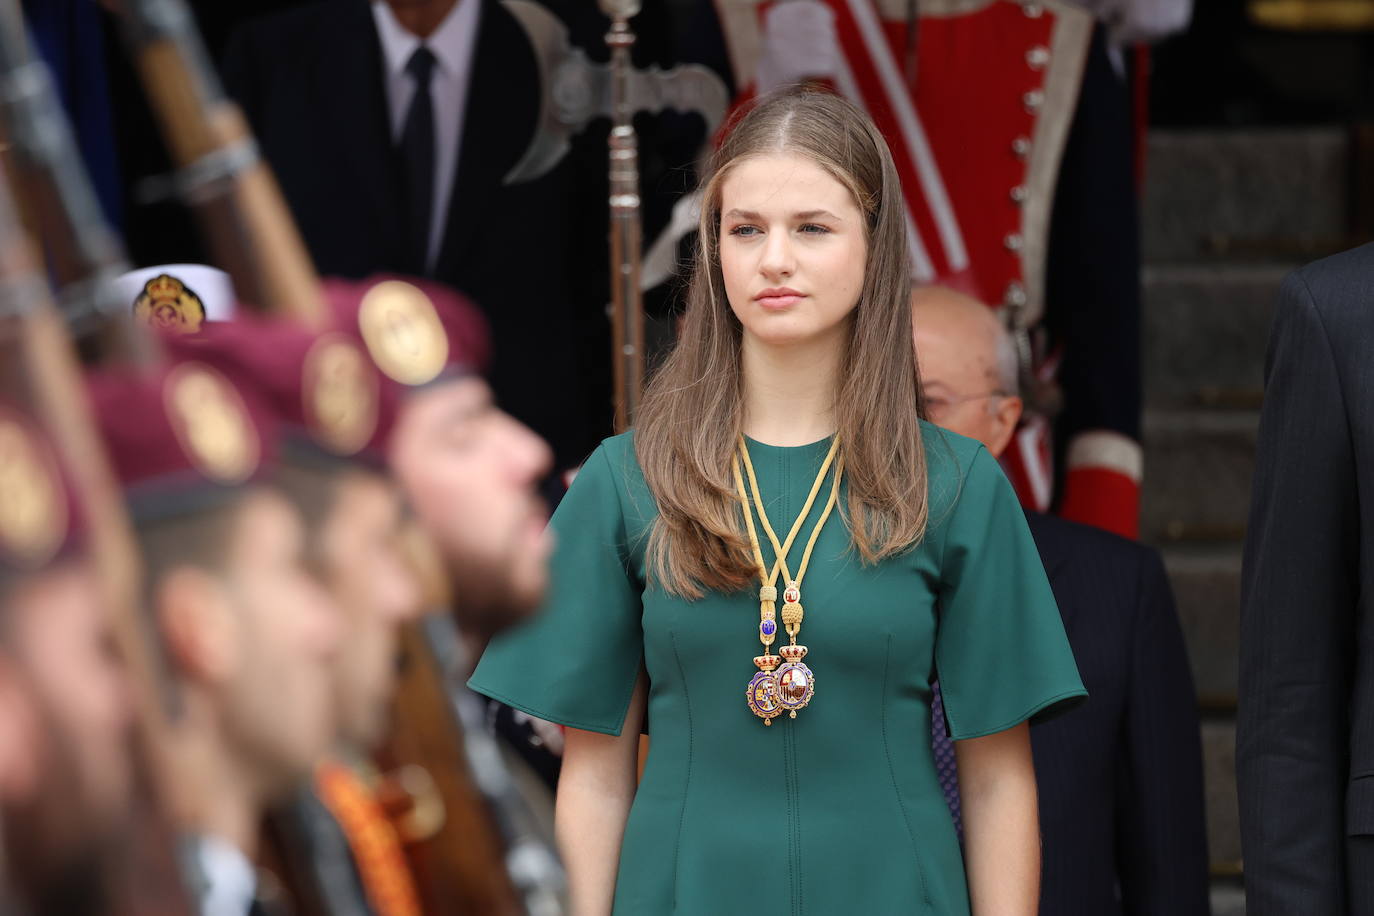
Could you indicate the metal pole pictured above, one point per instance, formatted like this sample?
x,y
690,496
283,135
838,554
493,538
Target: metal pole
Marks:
x,y
627,303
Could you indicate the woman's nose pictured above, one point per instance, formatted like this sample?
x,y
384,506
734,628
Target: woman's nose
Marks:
x,y
779,259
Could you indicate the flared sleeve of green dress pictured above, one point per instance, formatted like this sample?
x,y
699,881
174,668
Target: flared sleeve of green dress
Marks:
x,y
576,661
1001,654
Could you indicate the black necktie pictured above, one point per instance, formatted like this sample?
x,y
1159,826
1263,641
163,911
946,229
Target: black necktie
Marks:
x,y
417,159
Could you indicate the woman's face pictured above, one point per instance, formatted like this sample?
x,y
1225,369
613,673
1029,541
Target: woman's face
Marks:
x,y
792,248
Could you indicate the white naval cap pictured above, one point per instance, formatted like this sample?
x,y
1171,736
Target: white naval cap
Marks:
x,y
178,297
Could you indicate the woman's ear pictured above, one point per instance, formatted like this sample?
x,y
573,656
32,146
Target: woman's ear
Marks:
x,y
198,625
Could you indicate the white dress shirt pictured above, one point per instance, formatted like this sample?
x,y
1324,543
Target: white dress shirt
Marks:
x,y
231,881
453,44
1131,21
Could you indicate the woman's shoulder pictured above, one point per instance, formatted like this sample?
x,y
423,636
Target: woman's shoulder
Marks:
x,y
957,469
950,457
615,456
613,469
619,447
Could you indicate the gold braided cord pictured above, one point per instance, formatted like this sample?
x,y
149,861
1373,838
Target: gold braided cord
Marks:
x,y
749,523
825,514
781,550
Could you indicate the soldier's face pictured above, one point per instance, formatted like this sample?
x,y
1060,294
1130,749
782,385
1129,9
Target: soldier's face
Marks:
x,y
471,473
278,703
61,649
376,591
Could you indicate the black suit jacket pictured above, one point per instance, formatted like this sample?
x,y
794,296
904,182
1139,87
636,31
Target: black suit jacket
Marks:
x,y
532,255
1120,778
1305,739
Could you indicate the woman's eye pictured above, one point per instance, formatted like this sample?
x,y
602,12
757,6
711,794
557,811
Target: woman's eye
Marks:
x,y
814,229
745,231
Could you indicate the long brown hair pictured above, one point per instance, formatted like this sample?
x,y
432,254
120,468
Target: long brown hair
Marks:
x,y
692,413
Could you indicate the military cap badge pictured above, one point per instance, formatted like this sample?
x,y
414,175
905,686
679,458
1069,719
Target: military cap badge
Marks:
x,y
33,505
340,394
170,305
211,423
403,332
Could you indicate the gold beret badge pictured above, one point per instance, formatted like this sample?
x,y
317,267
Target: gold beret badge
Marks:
x,y
33,504
403,332
340,392
211,423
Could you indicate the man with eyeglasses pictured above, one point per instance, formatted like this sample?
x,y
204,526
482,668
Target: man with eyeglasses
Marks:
x,y
1120,779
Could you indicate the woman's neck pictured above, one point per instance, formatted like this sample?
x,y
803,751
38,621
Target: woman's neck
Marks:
x,y
789,391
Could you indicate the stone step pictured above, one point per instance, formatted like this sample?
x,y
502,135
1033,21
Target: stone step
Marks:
x,y
1198,465
1206,329
1219,781
1253,192
1206,583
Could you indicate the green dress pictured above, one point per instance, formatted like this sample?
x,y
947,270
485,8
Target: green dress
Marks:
x,y
838,811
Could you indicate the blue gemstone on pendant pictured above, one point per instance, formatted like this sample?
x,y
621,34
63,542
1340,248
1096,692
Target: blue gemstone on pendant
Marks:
x,y
768,628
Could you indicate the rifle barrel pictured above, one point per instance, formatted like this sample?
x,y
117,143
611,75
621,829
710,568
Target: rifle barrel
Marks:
x,y
86,254
220,172
41,370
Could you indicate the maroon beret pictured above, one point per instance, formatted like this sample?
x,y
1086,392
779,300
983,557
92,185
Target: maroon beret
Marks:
x,y
180,436
40,518
321,387
416,331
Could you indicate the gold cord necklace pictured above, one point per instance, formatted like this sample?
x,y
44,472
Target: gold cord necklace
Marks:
x,y
789,688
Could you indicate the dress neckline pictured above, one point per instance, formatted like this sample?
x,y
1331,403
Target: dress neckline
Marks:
x,y
819,446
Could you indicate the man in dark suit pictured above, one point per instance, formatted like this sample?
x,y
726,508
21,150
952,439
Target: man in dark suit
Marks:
x,y
1120,780
1305,736
392,127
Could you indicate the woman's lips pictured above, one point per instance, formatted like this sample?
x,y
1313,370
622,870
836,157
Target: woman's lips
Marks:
x,y
778,299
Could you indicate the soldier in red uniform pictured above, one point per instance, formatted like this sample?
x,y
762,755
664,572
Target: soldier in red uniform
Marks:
x,y
1013,139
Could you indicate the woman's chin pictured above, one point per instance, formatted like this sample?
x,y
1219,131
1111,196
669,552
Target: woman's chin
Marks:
x,y
785,333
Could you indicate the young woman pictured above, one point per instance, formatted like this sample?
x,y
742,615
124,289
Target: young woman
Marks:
x,y
780,493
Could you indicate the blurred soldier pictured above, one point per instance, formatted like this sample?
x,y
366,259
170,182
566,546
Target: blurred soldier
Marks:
x,y
248,634
65,755
1120,780
468,470
470,474
325,392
